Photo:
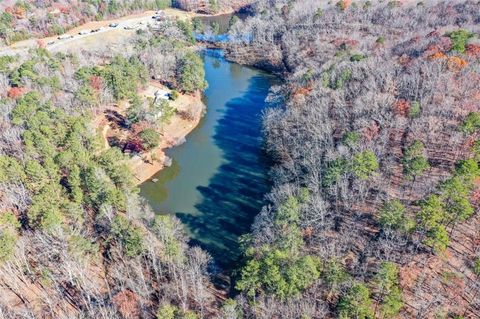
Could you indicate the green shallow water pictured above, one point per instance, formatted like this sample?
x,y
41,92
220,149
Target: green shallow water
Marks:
x,y
218,178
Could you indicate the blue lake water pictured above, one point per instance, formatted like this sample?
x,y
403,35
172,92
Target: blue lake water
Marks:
x,y
219,177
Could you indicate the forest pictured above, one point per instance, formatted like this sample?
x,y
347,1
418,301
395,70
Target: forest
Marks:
x,y
374,209
25,19
373,134
21,20
76,240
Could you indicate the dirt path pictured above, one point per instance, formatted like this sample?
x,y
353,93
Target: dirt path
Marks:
x,y
173,133
108,38
102,39
104,136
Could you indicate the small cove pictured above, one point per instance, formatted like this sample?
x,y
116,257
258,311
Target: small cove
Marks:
x,y
218,178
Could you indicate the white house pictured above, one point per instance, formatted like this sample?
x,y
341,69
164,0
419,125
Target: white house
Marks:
x,y
161,95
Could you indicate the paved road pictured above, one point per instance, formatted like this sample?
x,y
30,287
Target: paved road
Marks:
x,y
139,21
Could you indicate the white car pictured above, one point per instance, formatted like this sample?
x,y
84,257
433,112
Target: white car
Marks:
x,y
65,36
83,32
131,27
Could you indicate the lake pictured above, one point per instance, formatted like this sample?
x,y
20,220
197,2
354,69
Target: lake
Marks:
x,y
218,178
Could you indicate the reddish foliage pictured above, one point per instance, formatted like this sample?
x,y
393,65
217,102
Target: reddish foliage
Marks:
x,y
58,8
476,95
345,43
473,50
470,107
476,192
469,142
16,92
437,55
445,44
401,107
344,4
470,100
405,60
126,302
96,82
41,44
416,39
432,48
302,91
372,131
438,48
17,11
432,34
103,6
64,9
138,127
308,51
308,231
456,63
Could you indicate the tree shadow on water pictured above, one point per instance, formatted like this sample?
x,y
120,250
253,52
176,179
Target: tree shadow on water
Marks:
x,y
235,193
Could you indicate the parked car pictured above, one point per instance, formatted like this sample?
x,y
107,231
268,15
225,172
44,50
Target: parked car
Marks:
x,y
131,27
83,32
65,36
50,42
113,25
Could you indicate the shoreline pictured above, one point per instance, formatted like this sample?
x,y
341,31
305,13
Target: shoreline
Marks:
x,y
21,47
144,167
